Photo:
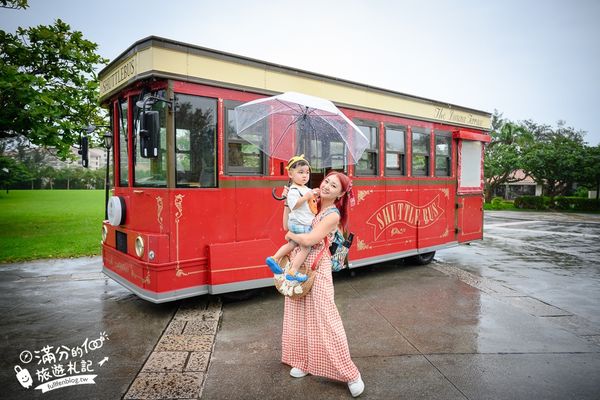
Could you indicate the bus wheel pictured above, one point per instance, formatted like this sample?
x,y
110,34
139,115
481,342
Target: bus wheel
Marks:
x,y
421,259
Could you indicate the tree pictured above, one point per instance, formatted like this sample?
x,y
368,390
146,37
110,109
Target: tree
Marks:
x,y
590,169
14,4
556,157
12,172
47,176
48,85
504,153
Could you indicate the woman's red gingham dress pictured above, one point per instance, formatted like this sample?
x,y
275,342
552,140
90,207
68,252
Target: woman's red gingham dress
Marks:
x,y
313,338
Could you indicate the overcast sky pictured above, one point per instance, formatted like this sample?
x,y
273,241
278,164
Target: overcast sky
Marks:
x,y
529,59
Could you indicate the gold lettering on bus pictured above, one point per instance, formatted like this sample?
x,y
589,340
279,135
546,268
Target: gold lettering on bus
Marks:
x,y
391,214
449,115
122,73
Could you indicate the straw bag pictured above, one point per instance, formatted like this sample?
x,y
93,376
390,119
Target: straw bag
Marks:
x,y
294,289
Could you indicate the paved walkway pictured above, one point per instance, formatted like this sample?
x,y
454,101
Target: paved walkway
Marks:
x,y
512,317
177,366
416,333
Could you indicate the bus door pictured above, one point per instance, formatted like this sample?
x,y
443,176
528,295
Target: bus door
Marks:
x,y
469,191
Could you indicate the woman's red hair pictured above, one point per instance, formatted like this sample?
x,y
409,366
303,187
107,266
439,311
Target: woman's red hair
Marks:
x,y
343,202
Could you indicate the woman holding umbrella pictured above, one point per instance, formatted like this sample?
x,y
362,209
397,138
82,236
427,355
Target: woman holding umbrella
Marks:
x,y
314,341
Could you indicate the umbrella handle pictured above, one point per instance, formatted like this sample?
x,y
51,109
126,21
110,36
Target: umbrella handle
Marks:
x,y
277,197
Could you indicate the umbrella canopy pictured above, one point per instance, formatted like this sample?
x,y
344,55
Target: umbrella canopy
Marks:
x,y
294,123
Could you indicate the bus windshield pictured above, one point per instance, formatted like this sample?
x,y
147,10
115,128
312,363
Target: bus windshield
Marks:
x,y
151,172
195,141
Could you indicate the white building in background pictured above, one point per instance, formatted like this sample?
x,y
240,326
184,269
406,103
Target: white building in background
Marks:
x,y
97,158
525,186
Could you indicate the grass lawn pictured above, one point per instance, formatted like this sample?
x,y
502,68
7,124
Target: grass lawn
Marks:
x,y
50,223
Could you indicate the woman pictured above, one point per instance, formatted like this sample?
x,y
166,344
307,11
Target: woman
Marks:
x,y
314,341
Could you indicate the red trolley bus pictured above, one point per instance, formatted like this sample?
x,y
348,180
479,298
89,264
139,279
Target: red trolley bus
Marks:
x,y
191,210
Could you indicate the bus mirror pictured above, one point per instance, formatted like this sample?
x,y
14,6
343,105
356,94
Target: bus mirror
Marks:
x,y
149,134
83,150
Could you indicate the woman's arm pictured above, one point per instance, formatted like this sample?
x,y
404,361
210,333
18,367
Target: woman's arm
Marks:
x,y
286,215
318,233
286,208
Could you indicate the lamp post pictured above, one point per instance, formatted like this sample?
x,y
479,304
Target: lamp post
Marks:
x,y
108,142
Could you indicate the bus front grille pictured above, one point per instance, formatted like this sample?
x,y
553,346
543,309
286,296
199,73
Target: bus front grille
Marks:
x,y
121,241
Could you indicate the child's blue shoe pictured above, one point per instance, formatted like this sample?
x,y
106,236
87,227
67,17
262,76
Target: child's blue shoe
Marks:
x,y
275,268
297,277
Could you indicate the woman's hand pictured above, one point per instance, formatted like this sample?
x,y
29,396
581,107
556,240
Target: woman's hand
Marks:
x,y
287,235
320,230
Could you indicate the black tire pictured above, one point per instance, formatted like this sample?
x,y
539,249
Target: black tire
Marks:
x,y
421,259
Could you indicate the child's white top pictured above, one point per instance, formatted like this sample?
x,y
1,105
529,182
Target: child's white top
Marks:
x,y
301,215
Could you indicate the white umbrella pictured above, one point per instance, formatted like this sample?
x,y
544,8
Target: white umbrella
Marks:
x,y
300,124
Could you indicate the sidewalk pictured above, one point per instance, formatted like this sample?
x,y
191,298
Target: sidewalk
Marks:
x,y
63,302
481,322
414,333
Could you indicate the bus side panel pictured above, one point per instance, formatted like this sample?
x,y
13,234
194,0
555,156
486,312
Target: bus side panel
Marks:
x,y
399,233
258,215
363,223
470,217
148,209
258,232
199,218
436,215
384,220
239,261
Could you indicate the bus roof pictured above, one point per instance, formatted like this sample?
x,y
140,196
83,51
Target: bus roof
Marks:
x,y
165,58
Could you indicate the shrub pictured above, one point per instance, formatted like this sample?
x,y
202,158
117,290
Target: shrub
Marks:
x,y
530,202
497,203
581,191
575,204
567,203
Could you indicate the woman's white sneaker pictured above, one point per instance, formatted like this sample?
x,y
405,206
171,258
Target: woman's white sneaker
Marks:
x,y
356,387
298,373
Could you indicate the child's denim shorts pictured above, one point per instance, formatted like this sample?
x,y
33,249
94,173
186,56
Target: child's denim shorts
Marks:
x,y
297,228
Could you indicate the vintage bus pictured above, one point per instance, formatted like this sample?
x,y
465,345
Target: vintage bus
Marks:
x,y
191,210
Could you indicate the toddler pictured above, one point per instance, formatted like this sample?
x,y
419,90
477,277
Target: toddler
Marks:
x,y
300,200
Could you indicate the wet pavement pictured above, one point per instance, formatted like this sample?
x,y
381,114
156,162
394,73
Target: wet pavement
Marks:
x,y
62,303
514,316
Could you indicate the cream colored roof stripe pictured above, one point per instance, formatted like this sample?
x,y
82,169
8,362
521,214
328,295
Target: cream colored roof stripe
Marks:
x,y
263,78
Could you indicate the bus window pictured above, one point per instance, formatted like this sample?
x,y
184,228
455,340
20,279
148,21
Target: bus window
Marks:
x,y
395,150
320,153
241,157
151,172
336,152
367,165
420,152
443,153
196,141
123,159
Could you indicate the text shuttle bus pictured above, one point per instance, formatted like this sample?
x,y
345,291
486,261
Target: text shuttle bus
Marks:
x,y
191,210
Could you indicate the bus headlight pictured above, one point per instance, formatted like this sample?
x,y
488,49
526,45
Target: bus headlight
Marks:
x,y
104,233
139,246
